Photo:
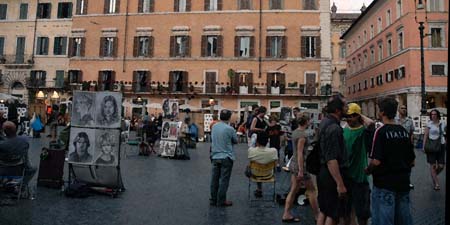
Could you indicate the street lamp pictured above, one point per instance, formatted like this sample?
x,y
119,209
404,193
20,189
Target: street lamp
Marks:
x,y
421,6
55,95
40,95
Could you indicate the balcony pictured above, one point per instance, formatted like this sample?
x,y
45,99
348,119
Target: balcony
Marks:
x,y
35,83
17,61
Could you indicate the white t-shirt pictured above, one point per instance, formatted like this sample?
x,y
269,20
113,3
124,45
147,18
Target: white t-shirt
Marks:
x,y
262,155
433,131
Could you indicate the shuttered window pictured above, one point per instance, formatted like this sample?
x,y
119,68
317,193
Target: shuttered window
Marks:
x,y
44,11
42,46
75,76
178,81
210,84
108,47
37,78
310,84
59,83
310,46
244,4
64,10
146,6
277,80
213,5
276,4
212,46
82,7
182,5
309,4
106,80
276,46
77,47
141,81
143,46
244,46
60,46
180,46
23,14
111,6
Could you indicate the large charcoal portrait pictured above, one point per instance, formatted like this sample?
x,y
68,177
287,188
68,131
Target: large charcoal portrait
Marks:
x,y
108,109
83,109
167,148
286,114
107,147
81,146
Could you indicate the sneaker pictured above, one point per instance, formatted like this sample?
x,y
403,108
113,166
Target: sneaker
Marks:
x,y
226,204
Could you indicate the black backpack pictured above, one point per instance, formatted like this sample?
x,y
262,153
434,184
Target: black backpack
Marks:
x,y
313,159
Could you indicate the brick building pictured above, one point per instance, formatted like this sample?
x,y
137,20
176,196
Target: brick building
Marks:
x,y
383,55
33,46
235,52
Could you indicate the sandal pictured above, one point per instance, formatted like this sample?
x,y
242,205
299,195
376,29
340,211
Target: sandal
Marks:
x,y
291,220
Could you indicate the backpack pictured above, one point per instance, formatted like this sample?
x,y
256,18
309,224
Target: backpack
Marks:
x,y
313,159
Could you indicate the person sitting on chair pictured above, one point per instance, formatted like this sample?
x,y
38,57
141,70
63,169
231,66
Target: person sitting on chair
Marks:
x,y
262,155
13,149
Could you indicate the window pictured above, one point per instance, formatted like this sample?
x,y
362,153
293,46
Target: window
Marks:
x,y
365,62
380,80
82,7
401,73
371,31
141,81
342,51
380,51
310,46
354,88
182,6
64,10
437,37
37,78
76,47
379,25
245,83
388,17
2,46
60,45
213,5
244,46
23,14
146,6
276,4
276,46
389,46
108,47
372,55
180,46
276,83
178,81
365,36
372,82
359,41
44,10
111,6
438,69
309,5
106,80
389,76
359,86
435,5
244,4
3,11
210,82
399,8
42,46
400,40
75,76
59,82
212,45
143,46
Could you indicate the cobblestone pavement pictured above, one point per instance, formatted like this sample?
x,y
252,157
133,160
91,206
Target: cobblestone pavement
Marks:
x,y
164,191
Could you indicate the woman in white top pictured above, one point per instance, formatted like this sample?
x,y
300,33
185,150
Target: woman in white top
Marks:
x,y
435,130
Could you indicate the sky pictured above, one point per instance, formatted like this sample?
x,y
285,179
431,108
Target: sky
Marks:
x,y
350,5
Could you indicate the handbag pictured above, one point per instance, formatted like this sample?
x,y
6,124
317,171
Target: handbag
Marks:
x,y
248,171
433,146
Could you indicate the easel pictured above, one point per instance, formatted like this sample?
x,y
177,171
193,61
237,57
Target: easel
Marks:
x,y
114,190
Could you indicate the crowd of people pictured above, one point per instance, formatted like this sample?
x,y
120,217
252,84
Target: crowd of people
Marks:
x,y
351,151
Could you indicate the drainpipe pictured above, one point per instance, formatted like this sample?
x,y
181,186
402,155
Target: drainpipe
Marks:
x,y
125,40
34,34
260,39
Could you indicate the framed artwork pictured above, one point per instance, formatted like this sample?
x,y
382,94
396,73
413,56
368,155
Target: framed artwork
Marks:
x,y
108,109
170,130
167,148
83,109
207,119
170,108
286,114
81,146
107,147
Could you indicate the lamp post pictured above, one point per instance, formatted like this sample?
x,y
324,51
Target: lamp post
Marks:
x,y
420,6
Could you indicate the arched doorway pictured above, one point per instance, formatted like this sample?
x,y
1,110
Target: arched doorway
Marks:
x,y
18,89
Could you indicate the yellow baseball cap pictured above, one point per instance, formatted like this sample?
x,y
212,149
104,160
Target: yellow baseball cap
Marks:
x,y
353,108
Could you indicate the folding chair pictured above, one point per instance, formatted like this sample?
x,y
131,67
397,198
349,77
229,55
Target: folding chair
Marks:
x,y
132,140
263,173
13,170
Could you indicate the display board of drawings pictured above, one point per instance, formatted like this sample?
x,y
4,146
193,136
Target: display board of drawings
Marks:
x,y
170,128
94,133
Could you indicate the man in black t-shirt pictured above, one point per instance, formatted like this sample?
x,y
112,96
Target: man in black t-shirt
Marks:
x,y
274,132
392,158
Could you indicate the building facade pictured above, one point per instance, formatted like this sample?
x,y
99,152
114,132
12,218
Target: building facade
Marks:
x,y
33,47
340,22
238,52
383,55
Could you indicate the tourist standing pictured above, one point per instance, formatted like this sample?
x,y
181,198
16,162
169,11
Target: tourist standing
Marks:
x,y
332,190
222,157
392,157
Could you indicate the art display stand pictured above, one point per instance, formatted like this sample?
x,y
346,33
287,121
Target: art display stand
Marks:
x,y
169,139
95,144
103,179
